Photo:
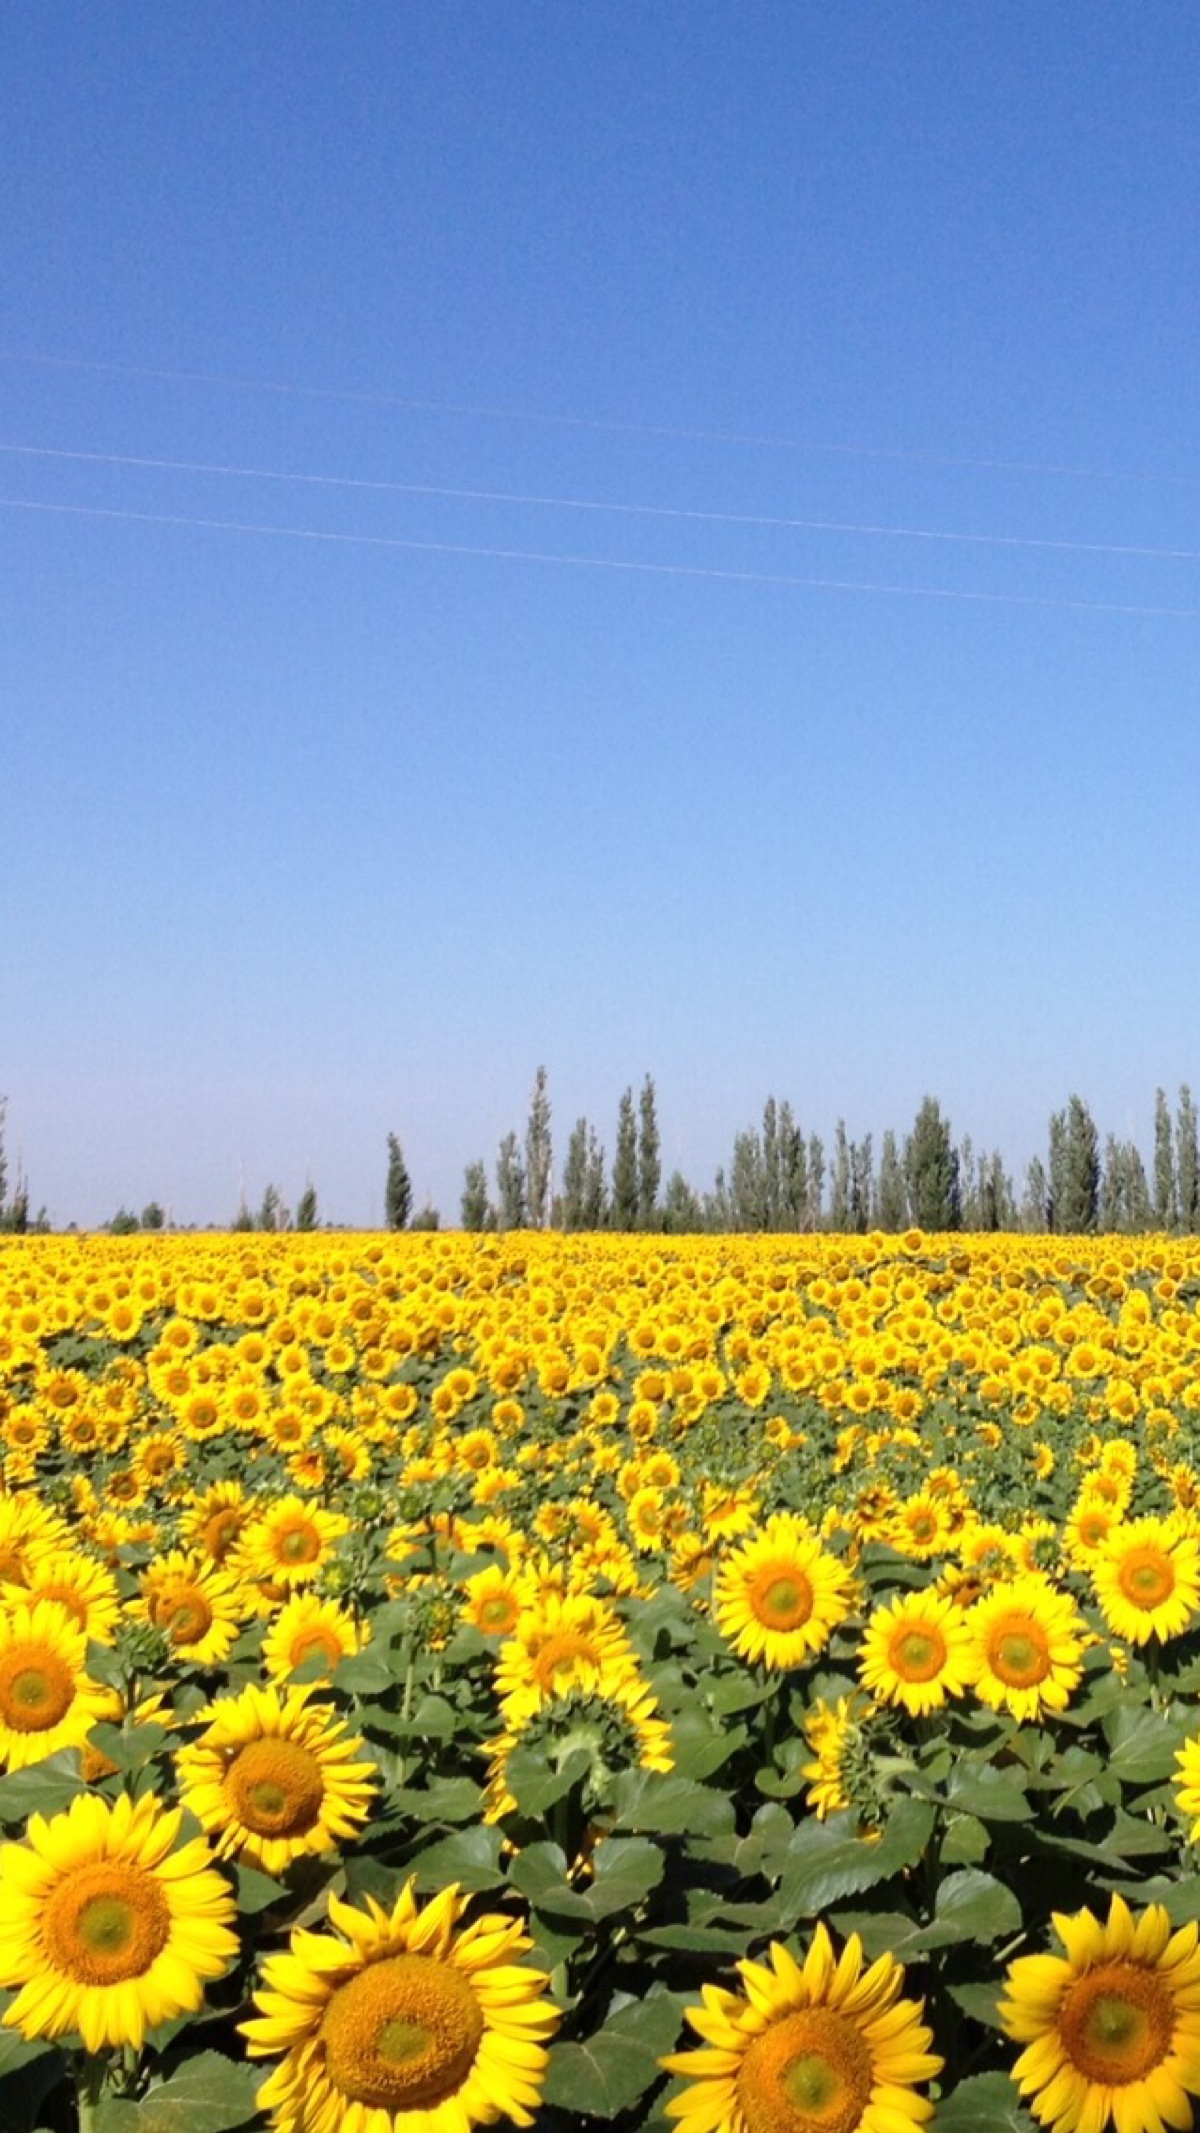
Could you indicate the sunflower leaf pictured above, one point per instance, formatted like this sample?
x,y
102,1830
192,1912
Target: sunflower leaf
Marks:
x,y
208,2094
987,2103
605,2074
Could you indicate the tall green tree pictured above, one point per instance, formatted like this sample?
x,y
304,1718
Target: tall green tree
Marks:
x,y
1165,1199
649,1157
747,1184
306,1207
512,1207
839,1186
893,1200
861,1185
931,1170
1075,1170
1187,1163
397,1191
625,1167
682,1213
793,1173
539,1154
816,1181
477,1211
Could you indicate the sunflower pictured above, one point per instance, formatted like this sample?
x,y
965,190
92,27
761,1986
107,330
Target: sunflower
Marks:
x,y
1187,1784
916,1651
1147,1578
1112,2031
86,1588
198,1608
823,2046
779,1598
274,1776
494,1601
291,1542
306,1628
47,1701
1028,1647
564,1639
403,2021
612,1720
213,1522
106,1927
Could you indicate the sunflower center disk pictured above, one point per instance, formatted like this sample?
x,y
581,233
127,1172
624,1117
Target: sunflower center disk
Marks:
x,y
403,2034
186,1618
812,2072
782,1599
918,1654
1019,1655
105,1922
36,1689
1117,2023
1147,1578
299,1545
276,1788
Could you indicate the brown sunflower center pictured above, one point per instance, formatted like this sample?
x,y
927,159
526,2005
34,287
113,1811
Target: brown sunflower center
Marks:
x,y
403,2034
220,1533
184,1615
917,1652
810,2072
498,1613
1147,1577
560,1655
1018,1651
1117,2023
781,1597
309,1641
276,1788
105,1922
299,1544
37,1688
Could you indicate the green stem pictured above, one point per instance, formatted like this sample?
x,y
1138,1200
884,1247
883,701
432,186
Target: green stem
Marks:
x,y
89,2081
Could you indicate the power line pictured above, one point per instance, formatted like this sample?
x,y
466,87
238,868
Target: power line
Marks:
x,y
578,503
596,562
1046,470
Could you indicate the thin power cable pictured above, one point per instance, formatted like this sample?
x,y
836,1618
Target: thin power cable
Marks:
x,y
601,424
580,503
600,562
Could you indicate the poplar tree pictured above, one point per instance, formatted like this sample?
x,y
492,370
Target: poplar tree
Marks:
x,y
793,1173
397,1191
681,1211
861,1185
512,1210
625,1167
1077,1185
1187,1163
306,1208
1165,1203
931,1170
893,1202
816,1181
649,1158
538,1154
476,1209
747,1188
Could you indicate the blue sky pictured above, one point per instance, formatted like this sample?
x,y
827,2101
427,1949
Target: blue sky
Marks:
x,y
308,840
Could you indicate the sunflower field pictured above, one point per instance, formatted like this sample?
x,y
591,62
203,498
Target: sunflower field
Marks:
x,y
750,1685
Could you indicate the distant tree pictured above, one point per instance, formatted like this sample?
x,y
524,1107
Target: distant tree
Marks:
x,y
1035,1205
625,1167
123,1223
16,1218
861,1185
1187,1163
426,1217
243,1220
3,1159
893,1201
539,1155
1165,1200
718,1215
271,1212
594,1197
153,1216
931,1170
816,1181
1075,1170
649,1158
682,1213
512,1207
397,1190
306,1207
997,1205
582,1204
477,1212
839,1190
772,1167
793,1173
1125,1203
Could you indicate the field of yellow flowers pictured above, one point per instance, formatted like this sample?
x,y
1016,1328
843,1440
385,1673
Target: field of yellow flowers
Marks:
x,y
746,1684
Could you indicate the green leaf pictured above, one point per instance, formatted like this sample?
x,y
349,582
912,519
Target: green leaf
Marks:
x,y
44,1788
536,1783
209,2094
971,1906
827,1861
978,2001
255,1891
966,1840
128,1747
993,1792
626,1869
700,1747
367,1673
454,1799
662,1806
607,2073
988,2103
1142,1743
470,1856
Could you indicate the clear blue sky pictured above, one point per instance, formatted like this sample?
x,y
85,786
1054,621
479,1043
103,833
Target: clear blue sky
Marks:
x,y
309,840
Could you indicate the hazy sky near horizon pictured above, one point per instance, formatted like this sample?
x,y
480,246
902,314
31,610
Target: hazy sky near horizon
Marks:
x,y
728,607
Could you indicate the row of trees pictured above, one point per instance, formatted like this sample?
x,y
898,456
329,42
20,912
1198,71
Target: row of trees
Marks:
x,y
779,1178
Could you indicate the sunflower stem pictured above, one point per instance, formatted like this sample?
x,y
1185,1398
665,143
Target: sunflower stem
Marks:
x,y
90,2070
